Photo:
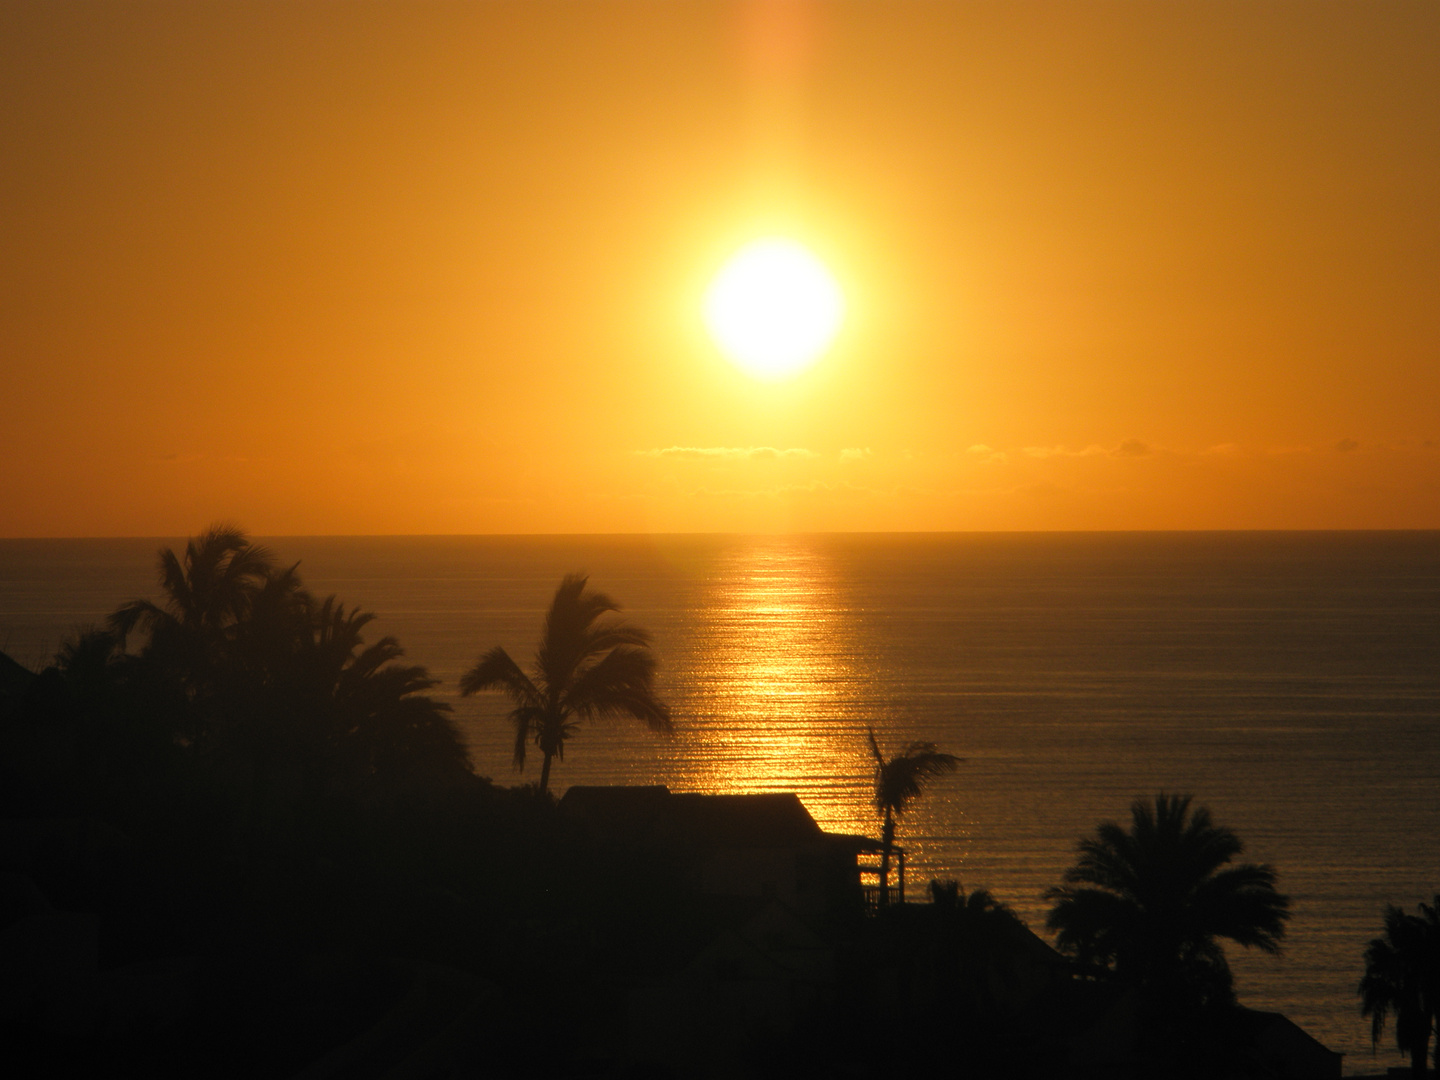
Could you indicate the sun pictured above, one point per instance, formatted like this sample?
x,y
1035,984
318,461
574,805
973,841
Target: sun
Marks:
x,y
773,308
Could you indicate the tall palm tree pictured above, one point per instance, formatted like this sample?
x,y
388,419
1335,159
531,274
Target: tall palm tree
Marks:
x,y
588,667
898,782
1152,901
207,593
189,637
1402,974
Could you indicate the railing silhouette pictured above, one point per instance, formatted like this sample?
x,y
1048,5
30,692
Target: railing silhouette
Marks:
x,y
868,865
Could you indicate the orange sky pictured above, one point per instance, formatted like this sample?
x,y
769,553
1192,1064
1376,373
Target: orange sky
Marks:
x,y
437,267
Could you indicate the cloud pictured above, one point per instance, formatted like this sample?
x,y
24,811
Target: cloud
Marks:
x,y
778,491
987,453
1346,446
729,453
1132,448
1064,451
855,453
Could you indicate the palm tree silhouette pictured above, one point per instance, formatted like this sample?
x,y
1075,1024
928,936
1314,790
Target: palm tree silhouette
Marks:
x,y
207,593
898,782
588,667
279,689
1152,900
379,710
1402,975
359,714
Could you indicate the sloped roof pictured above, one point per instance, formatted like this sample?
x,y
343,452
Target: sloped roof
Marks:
x,y
658,815
615,813
1277,1034
742,820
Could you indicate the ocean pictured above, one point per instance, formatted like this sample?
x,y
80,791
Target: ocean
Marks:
x,y
1288,681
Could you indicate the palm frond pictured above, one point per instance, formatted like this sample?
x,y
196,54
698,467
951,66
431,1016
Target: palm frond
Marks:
x,y
124,619
620,683
1091,923
369,662
497,671
176,583
1242,904
614,633
86,655
586,668
874,747
566,641
901,779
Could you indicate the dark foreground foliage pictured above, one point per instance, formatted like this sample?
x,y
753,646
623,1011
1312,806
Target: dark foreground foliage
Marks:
x,y
235,834
239,839
1402,978
955,987
1151,903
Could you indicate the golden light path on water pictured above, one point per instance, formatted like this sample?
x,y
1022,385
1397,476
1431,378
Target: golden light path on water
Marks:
x,y
781,690
777,673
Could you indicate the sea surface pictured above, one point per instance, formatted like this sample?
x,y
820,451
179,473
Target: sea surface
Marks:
x,y
1289,681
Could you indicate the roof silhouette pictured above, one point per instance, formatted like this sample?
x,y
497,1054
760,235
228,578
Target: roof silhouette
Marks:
x,y
657,815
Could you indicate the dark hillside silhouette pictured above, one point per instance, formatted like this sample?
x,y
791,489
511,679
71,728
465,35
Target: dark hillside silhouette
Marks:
x,y
955,987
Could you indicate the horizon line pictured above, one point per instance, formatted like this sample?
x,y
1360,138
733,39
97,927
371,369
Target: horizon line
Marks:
x,y
742,533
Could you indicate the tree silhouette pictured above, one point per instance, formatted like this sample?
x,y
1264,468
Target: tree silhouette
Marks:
x,y
1402,975
280,694
207,593
381,722
1152,901
898,782
588,667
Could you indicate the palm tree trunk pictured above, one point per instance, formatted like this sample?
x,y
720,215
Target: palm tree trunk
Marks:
x,y
545,774
887,841
1419,1050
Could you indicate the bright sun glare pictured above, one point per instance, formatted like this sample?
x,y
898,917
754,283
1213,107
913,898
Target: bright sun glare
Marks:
x,y
773,308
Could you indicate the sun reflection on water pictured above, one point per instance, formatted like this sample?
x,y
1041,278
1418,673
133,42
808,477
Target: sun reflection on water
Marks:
x,y
783,680
781,670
